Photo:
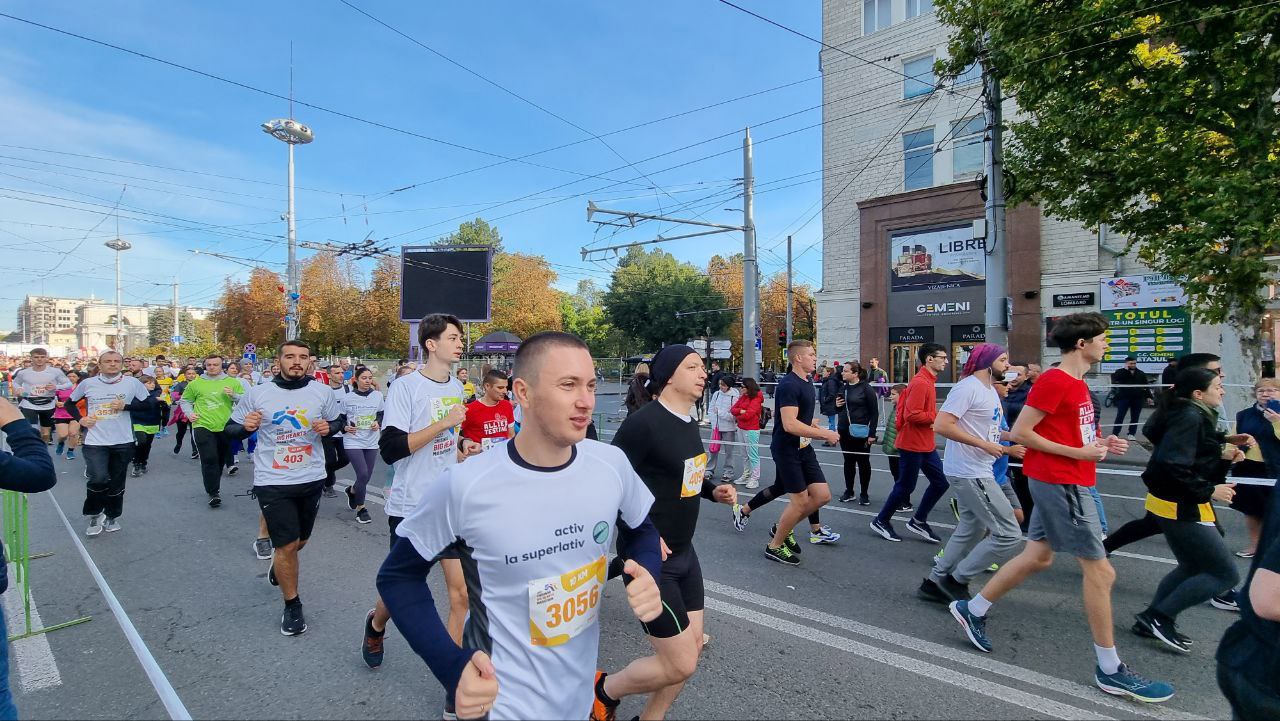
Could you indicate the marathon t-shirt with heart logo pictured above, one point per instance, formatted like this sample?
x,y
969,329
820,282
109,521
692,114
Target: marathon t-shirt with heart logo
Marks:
x,y
289,450
1069,420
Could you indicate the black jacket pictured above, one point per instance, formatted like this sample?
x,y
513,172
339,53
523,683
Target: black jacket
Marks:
x,y
1126,377
1187,460
861,405
827,394
637,394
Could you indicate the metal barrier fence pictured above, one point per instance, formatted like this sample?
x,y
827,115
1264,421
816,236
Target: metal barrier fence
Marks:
x,y
17,546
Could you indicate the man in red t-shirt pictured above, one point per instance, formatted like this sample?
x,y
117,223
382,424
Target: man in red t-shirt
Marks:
x,y
1059,429
490,418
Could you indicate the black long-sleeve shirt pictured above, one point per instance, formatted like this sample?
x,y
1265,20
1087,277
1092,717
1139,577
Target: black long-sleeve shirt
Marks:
x,y
665,449
28,469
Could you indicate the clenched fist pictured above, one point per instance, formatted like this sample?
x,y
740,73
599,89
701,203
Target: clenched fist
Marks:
x,y
642,592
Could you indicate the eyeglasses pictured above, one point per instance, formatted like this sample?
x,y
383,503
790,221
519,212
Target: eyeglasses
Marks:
x,y
938,356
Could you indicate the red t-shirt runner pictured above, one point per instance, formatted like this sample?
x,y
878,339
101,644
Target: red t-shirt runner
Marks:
x,y
1069,421
487,425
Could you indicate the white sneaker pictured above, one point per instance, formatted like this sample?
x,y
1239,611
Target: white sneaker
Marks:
x,y
1132,438
111,525
752,484
742,480
95,525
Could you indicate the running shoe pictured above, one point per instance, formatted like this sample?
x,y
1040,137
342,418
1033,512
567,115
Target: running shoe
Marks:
x,y
885,530
954,590
743,479
262,549
1226,601
351,499
906,508
135,471
329,492
975,627
782,555
739,518
371,649
929,591
62,445
791,543
1246,553
234,469
177,450
1127,683
1148,626
922,529
111,525
993,568
823,536
291,621
847,497
71,454
144,469
215,501
362,516
601,710
752,484
95,525
864,500
271,575
195,453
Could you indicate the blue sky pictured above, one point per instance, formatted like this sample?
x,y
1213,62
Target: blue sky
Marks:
x,y
601,65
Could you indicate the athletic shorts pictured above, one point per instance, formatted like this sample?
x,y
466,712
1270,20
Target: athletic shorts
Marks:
x,y
1065,516
797,473
290,510
393,521
42,418
681,588
1012,495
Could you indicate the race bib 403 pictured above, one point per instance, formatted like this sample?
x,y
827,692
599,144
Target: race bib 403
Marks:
x,y
287,456
563,606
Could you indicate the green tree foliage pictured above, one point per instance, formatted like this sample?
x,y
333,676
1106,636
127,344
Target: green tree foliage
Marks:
x,y
160,327
474,232
1160,122
649,288
583,315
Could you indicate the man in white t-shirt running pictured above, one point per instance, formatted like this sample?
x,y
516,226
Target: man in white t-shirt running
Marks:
x,y
420,437
533,635
970,419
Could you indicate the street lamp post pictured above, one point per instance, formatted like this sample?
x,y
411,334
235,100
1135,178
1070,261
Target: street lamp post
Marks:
x,y
118,245
292,133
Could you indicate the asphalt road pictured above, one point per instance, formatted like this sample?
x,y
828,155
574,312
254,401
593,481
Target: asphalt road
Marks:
x,y
841,636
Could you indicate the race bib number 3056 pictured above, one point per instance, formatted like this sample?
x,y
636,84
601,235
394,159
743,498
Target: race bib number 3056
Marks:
x,y
561,607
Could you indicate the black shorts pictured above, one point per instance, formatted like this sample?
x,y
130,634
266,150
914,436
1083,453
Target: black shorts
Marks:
x,y
42,418
289,510
393,521
797,472
682,592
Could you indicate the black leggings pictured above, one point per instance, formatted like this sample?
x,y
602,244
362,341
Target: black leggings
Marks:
x,y
768,494
335,459
183,427
215,449
362,460
143,442
1205,567
1132,532
857,462
164,415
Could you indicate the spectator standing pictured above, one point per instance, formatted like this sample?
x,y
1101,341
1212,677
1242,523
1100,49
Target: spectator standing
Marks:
x,y
747,413
720,410
1131,395
827,394
858,411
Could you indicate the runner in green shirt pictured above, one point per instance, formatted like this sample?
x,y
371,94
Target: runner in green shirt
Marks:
x,y
208,401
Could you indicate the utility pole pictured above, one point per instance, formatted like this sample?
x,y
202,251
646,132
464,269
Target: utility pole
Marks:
x,y
750,276
176,332
998,311
789,295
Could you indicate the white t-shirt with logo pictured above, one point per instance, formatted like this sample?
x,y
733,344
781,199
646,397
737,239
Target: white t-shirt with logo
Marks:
x,y
540,574
414,402
977,409
38,387
362,412
111,427
289,451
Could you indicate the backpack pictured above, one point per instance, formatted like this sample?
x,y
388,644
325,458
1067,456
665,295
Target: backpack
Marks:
x,y
766,413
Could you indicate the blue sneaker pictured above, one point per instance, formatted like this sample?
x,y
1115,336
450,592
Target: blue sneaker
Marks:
x,y
1127,683
975,627
60,447
71,454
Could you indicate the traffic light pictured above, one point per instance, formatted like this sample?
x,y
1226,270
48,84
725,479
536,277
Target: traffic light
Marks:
x,y
782,337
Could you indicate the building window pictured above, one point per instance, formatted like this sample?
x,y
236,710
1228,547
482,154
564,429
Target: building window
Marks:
x,y
919,7
919,80
971,74
967,148
876,15
917,159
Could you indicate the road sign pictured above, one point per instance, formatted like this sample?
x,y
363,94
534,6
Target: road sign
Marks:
x,y
251,357
698,344
721,344
721,353
176,339
250,348
757,342
757,335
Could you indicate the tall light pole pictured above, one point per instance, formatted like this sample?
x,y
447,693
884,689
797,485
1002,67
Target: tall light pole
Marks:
x,y
118,245
292,133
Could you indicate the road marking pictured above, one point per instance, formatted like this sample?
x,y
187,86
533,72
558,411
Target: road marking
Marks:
x,y
935,650
159,681
36,665
932,671
1145,557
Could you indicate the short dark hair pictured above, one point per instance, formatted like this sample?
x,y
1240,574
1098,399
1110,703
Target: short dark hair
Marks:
x,y
798,343
295,343
493,376
927,350
331,366
529,356
432,326
39,351
1072,329
211,357
1197,360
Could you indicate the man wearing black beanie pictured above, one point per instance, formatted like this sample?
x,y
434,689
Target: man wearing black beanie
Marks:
x,y
662,442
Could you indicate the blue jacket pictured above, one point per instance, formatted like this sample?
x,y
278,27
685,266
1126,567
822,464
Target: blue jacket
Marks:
x,y
28,469
1251,421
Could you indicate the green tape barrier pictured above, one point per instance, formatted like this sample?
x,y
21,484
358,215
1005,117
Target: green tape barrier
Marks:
x,y
17,546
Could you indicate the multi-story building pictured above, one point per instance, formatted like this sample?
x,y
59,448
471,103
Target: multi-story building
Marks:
x,y
96,330
40,317
903,262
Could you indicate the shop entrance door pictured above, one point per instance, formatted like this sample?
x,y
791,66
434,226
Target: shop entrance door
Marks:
x,y
904,361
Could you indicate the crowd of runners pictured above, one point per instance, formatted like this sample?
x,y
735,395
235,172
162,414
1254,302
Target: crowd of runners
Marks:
x,y
472,469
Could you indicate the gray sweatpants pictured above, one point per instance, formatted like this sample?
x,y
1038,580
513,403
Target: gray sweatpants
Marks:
x,y
983,508
726,453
